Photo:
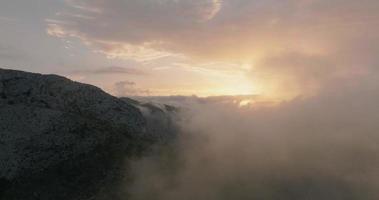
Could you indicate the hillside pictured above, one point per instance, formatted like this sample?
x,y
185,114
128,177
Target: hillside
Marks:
x,y
60,139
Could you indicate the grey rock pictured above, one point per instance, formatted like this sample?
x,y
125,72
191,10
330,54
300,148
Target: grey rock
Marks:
x,y
60,139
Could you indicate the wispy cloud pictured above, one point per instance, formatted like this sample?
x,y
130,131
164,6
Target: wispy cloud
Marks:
x,y
129,88
11,53
111,70
338,36
211,28
139,28
7,19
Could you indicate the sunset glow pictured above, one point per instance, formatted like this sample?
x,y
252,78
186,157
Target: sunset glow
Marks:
x,y
280,49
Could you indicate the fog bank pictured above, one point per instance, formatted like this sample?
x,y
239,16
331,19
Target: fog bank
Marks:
x,y
320,147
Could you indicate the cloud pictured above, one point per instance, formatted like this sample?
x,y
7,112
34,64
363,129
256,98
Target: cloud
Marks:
x,y
320,147
111,70
340,36
9,53
295,73
213,27
188,102
132,29
128,88
7,19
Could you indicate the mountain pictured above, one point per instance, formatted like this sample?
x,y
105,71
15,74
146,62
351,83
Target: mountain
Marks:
x,y
61,139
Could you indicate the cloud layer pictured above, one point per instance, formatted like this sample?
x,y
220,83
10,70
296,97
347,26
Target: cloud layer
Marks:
x,y
323,147
134,29
209,26
300,43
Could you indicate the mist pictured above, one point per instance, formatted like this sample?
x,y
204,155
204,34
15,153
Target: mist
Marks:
x,y
319,147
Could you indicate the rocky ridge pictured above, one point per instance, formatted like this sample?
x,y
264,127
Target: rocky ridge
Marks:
x,y
60,139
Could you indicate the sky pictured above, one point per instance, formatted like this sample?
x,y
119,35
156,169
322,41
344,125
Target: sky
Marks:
x,y
276,48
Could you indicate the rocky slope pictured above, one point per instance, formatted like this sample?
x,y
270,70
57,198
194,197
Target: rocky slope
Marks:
x,y
61,139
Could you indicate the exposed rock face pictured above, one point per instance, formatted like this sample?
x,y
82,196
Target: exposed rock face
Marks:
x,y
60,139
